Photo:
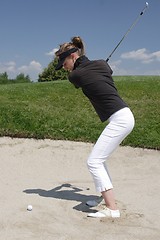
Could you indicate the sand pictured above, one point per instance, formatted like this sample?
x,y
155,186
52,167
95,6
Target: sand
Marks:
x,y
52,176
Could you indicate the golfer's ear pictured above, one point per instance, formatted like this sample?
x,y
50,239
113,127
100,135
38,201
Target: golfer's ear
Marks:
x,y
72,55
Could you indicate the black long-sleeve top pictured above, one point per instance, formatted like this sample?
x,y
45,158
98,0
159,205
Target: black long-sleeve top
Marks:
x,y
95,80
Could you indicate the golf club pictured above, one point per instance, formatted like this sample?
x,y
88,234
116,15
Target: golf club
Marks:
x,y
133,24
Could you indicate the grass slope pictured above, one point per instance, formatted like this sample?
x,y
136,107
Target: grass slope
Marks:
x,y
57,110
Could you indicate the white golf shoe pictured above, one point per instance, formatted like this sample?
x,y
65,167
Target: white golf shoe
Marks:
x,y
105,213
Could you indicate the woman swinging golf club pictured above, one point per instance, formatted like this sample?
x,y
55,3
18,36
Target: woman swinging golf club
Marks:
x,y
95,80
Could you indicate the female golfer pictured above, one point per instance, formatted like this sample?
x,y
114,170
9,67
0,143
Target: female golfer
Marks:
x,y
95,80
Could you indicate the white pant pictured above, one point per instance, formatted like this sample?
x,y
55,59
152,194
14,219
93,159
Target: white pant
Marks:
x,y
120,125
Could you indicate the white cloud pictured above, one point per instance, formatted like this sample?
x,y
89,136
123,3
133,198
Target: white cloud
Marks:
x,y
32,67
120,69
114,65
11,63
9,67
142,55
52,52
117,68
157,55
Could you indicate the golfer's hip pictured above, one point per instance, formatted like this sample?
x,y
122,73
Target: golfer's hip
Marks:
x,y
123,118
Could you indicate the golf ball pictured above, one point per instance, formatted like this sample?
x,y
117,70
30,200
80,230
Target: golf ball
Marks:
x,y
146,3
29,208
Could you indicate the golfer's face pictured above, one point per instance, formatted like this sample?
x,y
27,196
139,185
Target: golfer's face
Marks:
x,y
68,63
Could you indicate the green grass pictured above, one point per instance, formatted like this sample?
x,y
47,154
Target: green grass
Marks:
x,y
57,110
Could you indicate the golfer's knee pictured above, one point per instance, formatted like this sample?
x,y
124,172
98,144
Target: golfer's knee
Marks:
x,y
91,164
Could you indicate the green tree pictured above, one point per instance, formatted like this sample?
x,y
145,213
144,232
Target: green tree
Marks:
x,y
50,74
4,78
21,78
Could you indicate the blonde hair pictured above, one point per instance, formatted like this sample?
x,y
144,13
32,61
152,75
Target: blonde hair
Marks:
x,y
76,42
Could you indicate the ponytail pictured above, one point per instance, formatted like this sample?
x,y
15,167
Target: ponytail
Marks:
x,y
78,42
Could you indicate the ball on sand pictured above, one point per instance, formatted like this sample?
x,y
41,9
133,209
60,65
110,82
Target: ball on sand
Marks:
x,y
29,208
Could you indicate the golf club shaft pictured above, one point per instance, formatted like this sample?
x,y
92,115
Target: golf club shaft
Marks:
x,y
133,24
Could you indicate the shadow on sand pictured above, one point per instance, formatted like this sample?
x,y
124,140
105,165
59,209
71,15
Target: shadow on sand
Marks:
x,y
66,192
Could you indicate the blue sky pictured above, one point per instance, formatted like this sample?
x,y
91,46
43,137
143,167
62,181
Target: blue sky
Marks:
x,y
30,30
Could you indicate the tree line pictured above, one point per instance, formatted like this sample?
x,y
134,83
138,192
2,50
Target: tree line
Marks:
x,y
48,74
20,78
